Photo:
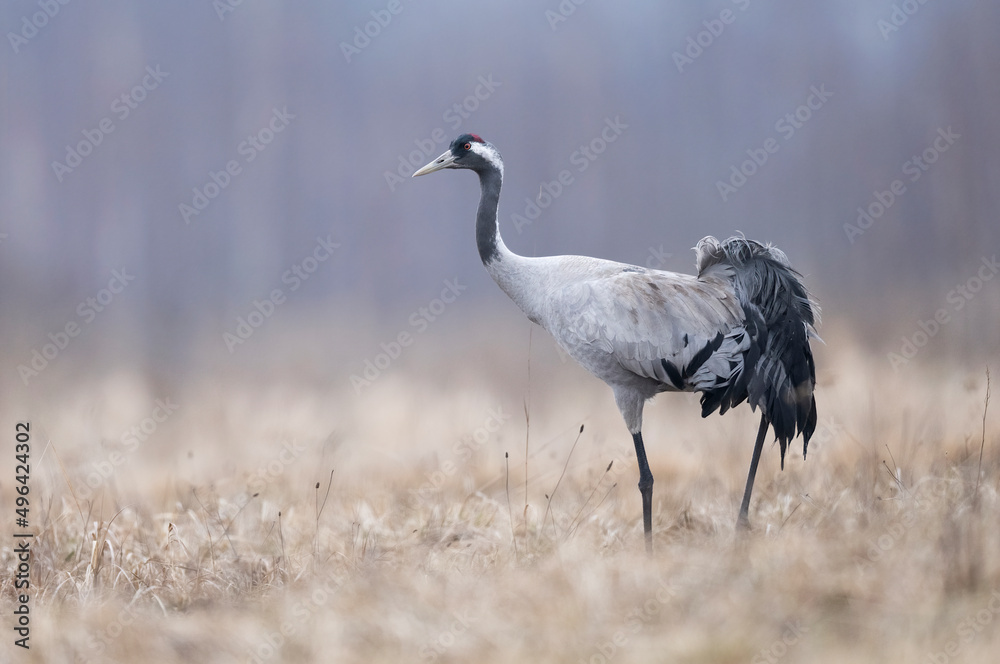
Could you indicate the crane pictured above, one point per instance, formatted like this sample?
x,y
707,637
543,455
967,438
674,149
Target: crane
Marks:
x,y
737,331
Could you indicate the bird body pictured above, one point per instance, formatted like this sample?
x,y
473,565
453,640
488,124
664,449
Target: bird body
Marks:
x,y
738,330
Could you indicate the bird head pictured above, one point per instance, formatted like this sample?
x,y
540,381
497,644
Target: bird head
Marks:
x,y
466,151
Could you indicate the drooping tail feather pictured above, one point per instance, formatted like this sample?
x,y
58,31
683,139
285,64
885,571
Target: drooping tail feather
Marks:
x,y
778,373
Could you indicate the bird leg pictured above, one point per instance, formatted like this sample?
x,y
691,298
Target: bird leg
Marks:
x,y
743,521
646,489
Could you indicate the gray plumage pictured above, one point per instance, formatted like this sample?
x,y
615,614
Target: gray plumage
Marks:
x,y
737,331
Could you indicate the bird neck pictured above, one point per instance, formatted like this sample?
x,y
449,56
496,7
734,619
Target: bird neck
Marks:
x,y
491,247
516,275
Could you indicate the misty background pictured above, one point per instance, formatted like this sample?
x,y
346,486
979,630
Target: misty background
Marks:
x,y
320,111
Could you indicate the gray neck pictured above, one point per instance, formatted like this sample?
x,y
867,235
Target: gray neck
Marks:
x,y
487,230
517,276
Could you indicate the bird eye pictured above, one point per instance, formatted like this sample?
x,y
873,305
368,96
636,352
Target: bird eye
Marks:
x,y
467,146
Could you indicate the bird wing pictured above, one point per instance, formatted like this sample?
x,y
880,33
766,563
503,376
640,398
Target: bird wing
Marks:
x,y
677,329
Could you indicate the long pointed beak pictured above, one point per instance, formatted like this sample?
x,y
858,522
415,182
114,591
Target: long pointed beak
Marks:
x,y
444,161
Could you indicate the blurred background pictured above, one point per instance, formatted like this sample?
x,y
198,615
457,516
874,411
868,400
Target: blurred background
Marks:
x,y
221,291
206,158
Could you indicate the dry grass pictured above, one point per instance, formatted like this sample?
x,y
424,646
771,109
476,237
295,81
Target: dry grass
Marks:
x,y
878,548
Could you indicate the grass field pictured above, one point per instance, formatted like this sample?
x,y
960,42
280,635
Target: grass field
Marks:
x,y
219,533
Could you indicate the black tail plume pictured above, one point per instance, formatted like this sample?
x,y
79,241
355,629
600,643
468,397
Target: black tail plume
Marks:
x,y
779,373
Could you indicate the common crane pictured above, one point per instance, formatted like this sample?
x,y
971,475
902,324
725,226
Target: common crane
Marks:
x,y
738,331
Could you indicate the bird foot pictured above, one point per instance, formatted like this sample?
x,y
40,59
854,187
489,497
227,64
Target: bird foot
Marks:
x,y
743,523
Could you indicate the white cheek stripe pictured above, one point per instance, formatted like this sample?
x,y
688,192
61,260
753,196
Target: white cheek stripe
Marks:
x,y
489,153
